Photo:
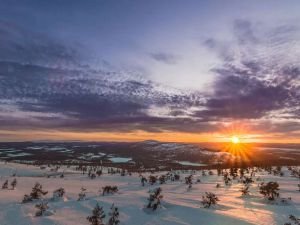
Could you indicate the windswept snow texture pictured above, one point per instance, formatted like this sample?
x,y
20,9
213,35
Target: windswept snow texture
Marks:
x,y
179,205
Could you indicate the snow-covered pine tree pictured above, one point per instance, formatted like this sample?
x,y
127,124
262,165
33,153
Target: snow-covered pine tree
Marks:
x,y
97,216
162,179
36,193
14,184
114,216
269,190
247,180
176,177
155,198
189,181
227,179
294,219
5,185
82,194
99,173
58,193
42,208
245,190
109,189
209,199
143,180
152,179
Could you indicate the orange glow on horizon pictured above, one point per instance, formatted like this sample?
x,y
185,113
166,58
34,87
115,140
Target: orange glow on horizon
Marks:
x,y
216,137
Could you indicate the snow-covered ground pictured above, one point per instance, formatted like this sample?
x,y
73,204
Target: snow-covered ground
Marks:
x,y
179,205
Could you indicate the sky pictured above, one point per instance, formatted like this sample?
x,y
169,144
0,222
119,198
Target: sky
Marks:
x,y
127,70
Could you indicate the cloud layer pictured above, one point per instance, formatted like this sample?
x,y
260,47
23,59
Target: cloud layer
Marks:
x,y
47,84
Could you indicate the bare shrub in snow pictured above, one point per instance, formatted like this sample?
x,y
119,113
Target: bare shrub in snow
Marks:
x,y
269,190
97,216
209,199
155,198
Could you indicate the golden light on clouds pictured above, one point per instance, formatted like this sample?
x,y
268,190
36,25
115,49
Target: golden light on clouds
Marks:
x,y
221,136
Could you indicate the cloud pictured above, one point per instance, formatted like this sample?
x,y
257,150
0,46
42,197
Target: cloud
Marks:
x,y
253,81
84,99
45,85
24,46
165,58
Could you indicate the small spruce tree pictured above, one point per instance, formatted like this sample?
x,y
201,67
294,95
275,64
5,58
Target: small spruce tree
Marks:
x,y
97,216
155,199
58,193
209,199
269,190
245,190
114,216
162,179
99,173
109,190
42,208
82,194
294,219
152,179
189,181
143,181
36,193
14,184
5,185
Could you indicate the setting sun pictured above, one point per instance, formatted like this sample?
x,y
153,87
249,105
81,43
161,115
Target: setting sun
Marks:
x,y
235,140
